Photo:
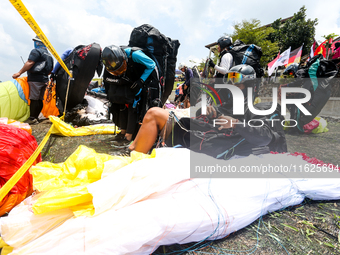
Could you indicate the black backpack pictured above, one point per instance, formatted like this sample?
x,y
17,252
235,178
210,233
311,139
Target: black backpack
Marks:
x,y
249,54
163,50
83,61
315,77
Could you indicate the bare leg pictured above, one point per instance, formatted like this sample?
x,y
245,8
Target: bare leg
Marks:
x,y
128,136
154,120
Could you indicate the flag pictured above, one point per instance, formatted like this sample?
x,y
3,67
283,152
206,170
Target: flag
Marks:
x,y
312,48
283,59
271,65
321,49
295,56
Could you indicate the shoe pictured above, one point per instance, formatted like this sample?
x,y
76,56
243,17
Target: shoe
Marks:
x,y
123,153
31,121
119,137
121,143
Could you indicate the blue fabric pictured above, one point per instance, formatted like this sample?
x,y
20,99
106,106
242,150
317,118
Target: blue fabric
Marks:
x,y
246,54
312,73
138,56
188,75
20,90
63,56
38,45
99,90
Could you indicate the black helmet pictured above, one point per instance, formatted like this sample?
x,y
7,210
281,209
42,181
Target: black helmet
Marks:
x,y
240,74
224,42
115,60
291,69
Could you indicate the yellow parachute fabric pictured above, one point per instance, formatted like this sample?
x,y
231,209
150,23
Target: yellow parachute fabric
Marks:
x,y
63,129
322,128
64,185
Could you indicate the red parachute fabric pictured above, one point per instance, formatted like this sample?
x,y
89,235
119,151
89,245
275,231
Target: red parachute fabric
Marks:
x,y
16,146
309,127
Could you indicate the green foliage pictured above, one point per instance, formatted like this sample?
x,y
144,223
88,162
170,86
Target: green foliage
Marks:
x,y
295,32
250,32
328,44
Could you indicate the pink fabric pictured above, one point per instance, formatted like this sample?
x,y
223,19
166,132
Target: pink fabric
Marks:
x,y
337,54
308,128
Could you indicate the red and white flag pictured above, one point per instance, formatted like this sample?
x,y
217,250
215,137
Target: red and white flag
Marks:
x,y
312,48
271,65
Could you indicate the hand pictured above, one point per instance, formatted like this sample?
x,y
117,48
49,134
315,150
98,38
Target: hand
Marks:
x,y
211,63
211,112
226,122
16,75
137,85
52,77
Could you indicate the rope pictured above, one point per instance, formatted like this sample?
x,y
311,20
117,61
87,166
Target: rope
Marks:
x,y
66,97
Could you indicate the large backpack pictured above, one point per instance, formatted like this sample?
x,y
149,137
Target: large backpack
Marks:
x,y
248,54
83,61
315,77
163,50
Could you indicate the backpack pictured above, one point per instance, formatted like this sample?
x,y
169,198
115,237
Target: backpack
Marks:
x,y
248,54
83,61
161,49
315,77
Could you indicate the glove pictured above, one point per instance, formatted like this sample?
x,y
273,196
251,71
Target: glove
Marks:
x,y
137,85
211,63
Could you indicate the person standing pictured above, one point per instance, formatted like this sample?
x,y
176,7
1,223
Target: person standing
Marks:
x,y
188,74
129,74
226,59
38,66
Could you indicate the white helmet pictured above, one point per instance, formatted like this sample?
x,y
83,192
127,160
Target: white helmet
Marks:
x,y
181,65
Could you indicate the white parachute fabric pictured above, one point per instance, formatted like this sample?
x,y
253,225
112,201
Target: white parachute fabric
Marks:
x,y
158,204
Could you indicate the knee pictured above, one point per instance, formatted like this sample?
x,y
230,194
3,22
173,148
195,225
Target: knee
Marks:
x,y
155,114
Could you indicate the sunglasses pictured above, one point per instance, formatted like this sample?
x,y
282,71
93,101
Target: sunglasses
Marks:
x,y
234,77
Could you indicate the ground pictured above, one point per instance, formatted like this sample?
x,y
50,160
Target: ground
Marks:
x,y
311,228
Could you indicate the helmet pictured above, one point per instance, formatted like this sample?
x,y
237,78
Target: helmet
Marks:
x,y
239,74
291,69
115,60
224,42
38,43
36,39
181,66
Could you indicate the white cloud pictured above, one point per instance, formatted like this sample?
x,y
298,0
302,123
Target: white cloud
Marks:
x,y
194,23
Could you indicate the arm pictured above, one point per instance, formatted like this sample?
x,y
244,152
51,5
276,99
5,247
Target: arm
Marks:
x,y
139,57
63,56
27,66
226,63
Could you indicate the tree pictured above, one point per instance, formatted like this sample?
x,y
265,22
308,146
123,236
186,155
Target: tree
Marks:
x,y
294,32
328,44
251,32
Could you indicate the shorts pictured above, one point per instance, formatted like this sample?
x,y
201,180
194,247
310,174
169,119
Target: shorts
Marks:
x,y
37,90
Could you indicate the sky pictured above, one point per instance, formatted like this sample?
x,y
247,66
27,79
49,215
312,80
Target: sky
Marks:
x,y
195,23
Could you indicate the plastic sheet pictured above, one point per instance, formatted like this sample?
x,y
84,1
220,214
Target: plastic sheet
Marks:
x,y
142,206
64,129
65,185
16,146
322,128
